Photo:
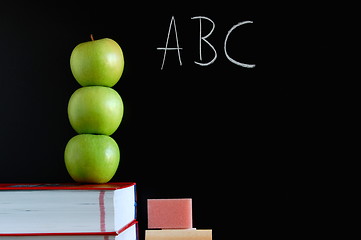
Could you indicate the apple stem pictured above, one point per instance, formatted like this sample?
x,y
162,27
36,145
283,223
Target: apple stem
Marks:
x,y
91,37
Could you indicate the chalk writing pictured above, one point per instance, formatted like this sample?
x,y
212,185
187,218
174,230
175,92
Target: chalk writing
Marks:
x,y
205,40
225,47
201,40
166,44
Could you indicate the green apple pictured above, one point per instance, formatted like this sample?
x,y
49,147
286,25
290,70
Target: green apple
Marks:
x,y
91,158
95,110
97,63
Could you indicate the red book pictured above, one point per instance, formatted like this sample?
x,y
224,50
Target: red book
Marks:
x,y
67,209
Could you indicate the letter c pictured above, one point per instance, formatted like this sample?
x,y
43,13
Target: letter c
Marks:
x,y
225,47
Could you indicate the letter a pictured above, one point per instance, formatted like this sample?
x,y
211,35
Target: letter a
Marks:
x,y
166,44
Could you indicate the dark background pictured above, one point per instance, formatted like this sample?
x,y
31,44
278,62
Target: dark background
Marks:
x,y
230,138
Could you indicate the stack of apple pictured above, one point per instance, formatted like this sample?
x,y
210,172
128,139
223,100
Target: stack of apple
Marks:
x,y
95,111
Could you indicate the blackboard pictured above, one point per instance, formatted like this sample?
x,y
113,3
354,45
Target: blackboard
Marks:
x,y
212,133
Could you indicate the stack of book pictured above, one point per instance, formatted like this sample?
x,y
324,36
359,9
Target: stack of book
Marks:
x,y
68,211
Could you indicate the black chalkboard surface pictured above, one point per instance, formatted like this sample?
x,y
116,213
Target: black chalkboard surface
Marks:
x,y
205,115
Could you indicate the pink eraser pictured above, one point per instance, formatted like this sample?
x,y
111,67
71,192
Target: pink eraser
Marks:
x,y
170,213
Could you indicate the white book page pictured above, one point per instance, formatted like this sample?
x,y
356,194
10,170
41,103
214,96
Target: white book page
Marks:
x,y
52,211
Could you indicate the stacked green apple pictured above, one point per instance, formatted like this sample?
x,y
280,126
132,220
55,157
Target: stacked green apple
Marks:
x,y
95,111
